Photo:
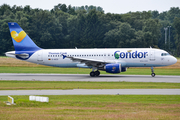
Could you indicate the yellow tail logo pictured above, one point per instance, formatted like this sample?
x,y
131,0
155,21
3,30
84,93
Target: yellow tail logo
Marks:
x,y
18,37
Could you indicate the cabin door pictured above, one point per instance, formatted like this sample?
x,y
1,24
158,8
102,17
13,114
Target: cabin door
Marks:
x,y
40,56
152,56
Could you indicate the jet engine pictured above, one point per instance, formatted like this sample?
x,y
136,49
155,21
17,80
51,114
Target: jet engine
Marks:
x,y
113,68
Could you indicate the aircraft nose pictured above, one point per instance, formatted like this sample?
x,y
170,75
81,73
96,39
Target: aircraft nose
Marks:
x,y
174,60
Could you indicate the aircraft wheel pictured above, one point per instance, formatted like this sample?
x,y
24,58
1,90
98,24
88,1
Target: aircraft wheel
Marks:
x,y
92,74
97,73
153,74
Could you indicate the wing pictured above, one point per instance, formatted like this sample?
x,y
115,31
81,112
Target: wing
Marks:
x,y
90,62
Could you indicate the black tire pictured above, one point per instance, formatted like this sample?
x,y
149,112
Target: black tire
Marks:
x,y
92,74
97,73
153,74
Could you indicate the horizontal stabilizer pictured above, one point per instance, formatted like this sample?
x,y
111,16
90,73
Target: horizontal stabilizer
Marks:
x,y
12,53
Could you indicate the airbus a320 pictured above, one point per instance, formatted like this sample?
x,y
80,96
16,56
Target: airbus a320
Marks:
x,y
112,60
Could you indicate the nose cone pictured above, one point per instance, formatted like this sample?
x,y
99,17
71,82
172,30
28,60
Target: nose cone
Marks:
x,y
173,60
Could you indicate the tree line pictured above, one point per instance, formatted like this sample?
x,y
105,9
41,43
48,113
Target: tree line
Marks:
x,y
89,27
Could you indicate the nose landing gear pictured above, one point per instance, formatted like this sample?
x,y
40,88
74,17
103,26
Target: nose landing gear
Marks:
x,y
152,74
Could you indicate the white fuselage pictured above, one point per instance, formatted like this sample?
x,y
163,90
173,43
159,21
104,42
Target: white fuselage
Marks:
x,y
127,57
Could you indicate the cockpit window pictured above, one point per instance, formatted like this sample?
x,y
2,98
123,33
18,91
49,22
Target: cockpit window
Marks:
x,y
164,54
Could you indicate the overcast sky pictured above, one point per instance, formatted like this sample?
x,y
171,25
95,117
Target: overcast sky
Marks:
x,y
112,6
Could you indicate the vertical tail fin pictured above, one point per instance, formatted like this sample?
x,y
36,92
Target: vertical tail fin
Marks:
x,y
21,41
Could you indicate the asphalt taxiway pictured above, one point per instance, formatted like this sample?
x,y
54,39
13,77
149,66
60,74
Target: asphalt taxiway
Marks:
x,y
86,77
93,92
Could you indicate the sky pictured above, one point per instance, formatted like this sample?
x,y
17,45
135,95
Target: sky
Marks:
x,y
109,6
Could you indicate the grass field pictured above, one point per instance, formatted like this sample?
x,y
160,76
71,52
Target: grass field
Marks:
x,y
96,107
10,65
40,85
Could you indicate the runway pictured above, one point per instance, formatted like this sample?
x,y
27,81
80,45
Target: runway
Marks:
x,y
93,92
86,77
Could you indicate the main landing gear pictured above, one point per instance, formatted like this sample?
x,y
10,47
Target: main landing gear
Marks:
x,y
152,74
93,74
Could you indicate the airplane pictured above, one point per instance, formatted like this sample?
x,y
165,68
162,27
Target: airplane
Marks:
x,y
111,60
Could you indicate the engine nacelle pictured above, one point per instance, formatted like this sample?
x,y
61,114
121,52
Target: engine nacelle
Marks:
x,y
113,68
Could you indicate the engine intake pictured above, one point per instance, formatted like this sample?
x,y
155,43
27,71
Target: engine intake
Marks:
x,y
113,68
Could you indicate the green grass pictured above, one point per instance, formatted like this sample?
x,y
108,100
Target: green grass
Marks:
x,y
130,71
3,56
39,85
92,100
44,70
96,107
